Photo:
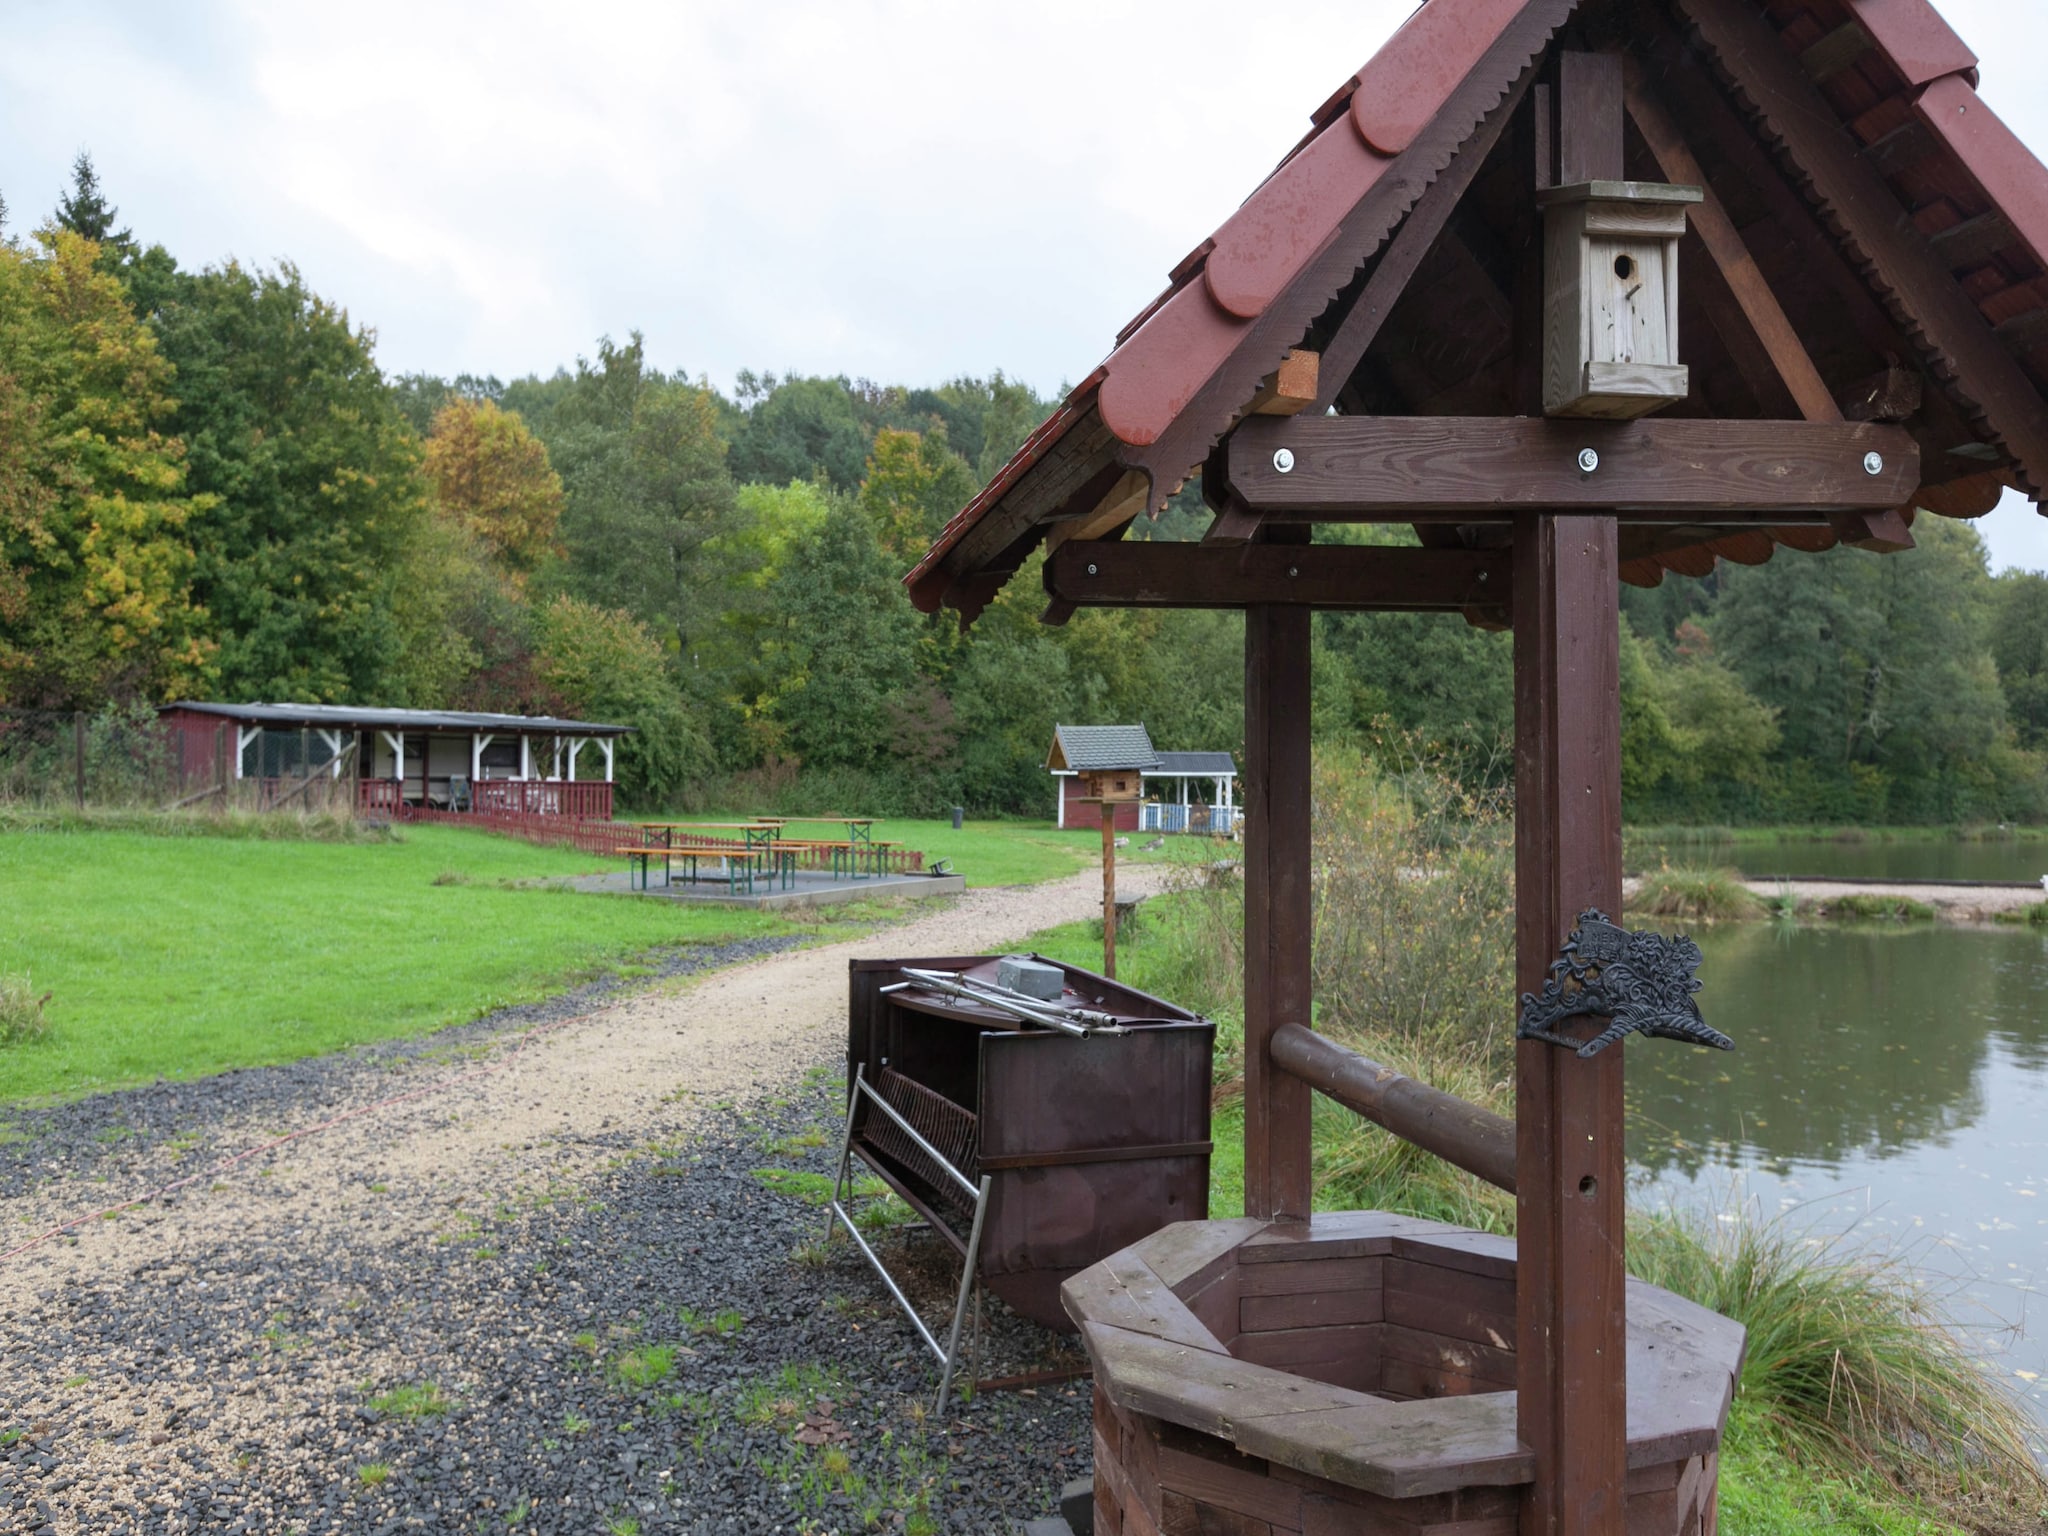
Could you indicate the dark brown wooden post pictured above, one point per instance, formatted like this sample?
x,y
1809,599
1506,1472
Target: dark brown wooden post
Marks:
x,y
1109,889
1570,1276
1573,1406
1276,905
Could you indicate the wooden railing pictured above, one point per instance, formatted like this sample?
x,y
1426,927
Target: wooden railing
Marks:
x,y
583,801
542,797
380,796
1475,1139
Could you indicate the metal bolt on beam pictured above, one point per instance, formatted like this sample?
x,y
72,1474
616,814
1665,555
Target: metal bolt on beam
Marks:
x,y
1283,459
1588,460
1873,463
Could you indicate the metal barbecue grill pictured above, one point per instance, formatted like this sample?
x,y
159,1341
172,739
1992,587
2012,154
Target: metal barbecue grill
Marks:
x,y
1034,1135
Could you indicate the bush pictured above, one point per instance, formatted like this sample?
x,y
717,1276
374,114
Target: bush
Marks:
x,y
1413,901
21,1011
1695,896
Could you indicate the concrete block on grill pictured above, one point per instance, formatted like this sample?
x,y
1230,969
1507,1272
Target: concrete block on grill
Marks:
x,y
1034,978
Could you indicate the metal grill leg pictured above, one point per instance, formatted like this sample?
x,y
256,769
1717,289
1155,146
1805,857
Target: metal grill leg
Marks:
x,y
839,1179
967,1286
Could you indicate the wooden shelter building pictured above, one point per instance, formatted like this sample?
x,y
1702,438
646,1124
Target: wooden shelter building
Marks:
x,y
1584,292
407,759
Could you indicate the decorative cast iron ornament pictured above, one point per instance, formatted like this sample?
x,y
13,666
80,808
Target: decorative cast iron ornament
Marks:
x,y
1640,981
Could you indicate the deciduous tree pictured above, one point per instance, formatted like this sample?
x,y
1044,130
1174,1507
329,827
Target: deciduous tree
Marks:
x,y
95,568
492,475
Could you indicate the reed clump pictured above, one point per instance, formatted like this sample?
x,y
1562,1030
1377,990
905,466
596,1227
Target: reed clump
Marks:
x,y
22,1017
1868,907
1852,1363
1693,895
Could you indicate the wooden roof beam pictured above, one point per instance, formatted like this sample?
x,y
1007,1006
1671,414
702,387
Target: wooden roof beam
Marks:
x,y
1468,469
1700,103
1356,577
1852,193
1396,268
1760,307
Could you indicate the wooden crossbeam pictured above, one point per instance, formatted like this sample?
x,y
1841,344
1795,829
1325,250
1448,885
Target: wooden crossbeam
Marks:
x,y
1478,468
1354,577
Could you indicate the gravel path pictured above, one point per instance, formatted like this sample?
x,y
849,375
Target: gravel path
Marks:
x,y
545,1234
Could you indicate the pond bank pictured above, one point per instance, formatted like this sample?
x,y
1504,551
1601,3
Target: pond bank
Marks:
x,y
1953,901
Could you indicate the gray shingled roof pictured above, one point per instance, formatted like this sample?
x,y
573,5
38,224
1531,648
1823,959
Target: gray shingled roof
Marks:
x,y
1093,748
1196,765
354,717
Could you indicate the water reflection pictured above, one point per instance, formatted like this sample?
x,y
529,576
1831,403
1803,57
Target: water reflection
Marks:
x,y
1898,1078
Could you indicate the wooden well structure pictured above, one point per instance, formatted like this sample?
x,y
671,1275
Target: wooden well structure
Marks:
x,y
1584,291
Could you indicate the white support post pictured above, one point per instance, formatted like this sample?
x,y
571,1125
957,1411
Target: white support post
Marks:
x,y
558,759
1059,801
525,756
607,744
575,746
477,743
244,735
333,740
397,741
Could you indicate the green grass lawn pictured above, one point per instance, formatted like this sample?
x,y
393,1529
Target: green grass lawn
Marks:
x,y
183,956
180,956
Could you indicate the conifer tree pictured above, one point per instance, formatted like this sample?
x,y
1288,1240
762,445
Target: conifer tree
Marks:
x,y
84,210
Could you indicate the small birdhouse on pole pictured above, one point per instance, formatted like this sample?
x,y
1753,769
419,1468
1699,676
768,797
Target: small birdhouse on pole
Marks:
x,y
1111,762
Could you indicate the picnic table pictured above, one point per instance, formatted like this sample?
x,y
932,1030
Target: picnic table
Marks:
x,y
755,834
858,842
740,865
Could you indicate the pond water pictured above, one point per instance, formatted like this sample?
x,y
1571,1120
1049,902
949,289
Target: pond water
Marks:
x,y
2016,863
1893,1084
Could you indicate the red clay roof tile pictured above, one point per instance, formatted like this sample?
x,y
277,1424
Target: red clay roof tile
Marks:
x,y
1912,34
2004,167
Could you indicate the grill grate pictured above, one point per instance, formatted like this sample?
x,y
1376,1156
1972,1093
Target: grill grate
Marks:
x,y
951,1128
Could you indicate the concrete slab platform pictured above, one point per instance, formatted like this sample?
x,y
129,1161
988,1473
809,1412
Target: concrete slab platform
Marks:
x,y
810,888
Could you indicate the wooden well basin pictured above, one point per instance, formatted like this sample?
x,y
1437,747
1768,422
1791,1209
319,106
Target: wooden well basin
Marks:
x,y
1356,1375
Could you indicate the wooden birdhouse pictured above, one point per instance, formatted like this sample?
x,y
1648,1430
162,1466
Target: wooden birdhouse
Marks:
x,y
1113,785
1610,301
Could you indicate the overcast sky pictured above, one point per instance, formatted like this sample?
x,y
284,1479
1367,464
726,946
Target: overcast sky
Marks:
x,y
887,189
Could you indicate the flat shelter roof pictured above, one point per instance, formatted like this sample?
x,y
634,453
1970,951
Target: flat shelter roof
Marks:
x,y
366,718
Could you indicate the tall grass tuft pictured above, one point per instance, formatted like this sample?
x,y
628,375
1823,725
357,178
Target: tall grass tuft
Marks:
x,y
1695,896
259,826
1850,1361
22,1021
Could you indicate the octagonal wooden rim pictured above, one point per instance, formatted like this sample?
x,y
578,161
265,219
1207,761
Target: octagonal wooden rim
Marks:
x,y
1154,1356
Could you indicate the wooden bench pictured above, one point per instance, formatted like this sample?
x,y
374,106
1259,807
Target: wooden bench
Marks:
x,y
739,863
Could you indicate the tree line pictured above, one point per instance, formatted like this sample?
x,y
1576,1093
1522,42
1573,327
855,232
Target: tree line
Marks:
x,y
208,488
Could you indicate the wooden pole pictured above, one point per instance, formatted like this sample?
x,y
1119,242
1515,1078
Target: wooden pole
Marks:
x,y
1572,1404
78,752
1109,889
1276,906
